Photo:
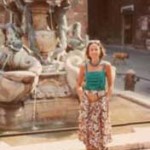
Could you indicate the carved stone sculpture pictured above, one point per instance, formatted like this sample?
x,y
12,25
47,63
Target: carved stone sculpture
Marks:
x,y
19,70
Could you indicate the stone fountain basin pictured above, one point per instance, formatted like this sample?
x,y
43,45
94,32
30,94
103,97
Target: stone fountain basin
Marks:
x,y
59,113
19,81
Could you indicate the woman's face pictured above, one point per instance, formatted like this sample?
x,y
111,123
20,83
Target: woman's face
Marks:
x,y
94,51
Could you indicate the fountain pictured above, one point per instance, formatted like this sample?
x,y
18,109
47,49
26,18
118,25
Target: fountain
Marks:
x,y
37,75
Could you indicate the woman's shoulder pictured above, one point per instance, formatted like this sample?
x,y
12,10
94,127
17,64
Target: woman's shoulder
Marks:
x,y
110,68
106,64
84,64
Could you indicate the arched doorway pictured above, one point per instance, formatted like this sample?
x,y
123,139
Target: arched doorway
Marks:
x,y
127,28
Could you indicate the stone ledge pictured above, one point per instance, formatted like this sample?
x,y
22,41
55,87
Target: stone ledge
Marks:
x,y
134,97
74,144
141,130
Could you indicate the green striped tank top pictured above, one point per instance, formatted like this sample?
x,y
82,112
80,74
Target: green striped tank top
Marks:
x,y
95,80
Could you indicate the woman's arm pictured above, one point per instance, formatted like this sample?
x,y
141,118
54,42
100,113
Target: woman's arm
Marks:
x,y
109,80
80,80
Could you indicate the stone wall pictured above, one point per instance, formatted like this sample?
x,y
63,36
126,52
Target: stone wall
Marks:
x,y
4,15
78,13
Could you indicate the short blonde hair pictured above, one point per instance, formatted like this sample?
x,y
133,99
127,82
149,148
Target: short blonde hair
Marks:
x,y
101,47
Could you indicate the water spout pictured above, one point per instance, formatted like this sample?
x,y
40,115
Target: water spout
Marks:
x,y
34,114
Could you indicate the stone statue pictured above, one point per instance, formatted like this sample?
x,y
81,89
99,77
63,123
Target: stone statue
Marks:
x,y
75,40
61,27
19,69
69,36
24,22
61,22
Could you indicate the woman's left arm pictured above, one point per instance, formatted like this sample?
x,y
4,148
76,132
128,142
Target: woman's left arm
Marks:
x,y
109,89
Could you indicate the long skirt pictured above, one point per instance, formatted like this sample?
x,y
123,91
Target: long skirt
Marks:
x,y
94,123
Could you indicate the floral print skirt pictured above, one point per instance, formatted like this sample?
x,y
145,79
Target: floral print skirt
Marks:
x,y
94,123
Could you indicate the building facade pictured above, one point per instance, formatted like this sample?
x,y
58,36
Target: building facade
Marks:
x,y
136,23
125,22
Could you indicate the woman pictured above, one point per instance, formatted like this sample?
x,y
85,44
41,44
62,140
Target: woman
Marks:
x,y
94,95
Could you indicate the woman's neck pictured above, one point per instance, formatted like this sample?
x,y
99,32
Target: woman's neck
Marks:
x,y
95,62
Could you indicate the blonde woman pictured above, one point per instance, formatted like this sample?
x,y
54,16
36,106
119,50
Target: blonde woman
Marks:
x,y
94,95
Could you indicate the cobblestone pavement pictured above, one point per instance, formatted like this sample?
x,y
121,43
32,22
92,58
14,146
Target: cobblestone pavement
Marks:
x,y
139,61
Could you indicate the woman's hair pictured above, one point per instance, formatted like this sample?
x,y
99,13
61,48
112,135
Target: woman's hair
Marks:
x,y
102,49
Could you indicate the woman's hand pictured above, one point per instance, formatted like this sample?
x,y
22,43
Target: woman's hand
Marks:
x,y
80,81
109,81
80,92
109,93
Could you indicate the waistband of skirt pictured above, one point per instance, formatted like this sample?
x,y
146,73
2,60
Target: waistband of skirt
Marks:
x,y
102,92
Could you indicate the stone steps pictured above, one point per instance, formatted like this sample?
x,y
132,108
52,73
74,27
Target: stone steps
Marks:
x,y
137,140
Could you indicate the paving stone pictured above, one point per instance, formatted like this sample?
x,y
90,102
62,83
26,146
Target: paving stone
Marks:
x,y
4,146
130,141
74,144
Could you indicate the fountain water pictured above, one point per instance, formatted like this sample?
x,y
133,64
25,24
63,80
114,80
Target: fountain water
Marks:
x,y
34,110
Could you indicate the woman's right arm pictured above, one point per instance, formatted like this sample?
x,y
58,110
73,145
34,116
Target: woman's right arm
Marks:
x,y
80,80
